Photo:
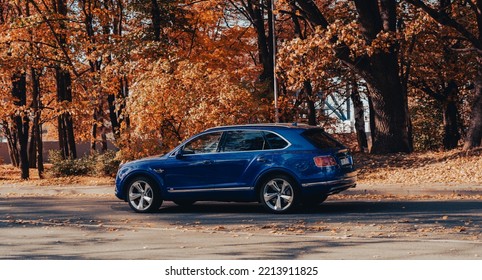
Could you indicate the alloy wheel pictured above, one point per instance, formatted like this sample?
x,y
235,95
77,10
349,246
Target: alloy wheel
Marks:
x,y
143,197
278,195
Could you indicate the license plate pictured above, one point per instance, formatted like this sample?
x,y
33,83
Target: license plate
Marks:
x,y
344,161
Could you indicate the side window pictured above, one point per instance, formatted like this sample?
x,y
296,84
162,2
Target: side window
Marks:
x,y
206,143
275,141
237,141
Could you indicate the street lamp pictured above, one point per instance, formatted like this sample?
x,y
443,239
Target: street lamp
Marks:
x,y
275,84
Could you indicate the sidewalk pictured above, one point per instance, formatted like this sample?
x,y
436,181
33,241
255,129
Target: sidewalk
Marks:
x,y
373,189
425,189
21,189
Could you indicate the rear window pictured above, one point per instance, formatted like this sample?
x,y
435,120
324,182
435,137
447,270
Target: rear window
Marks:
x,y
321,139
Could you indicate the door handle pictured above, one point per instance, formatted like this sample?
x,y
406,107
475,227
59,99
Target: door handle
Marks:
x,y
208,162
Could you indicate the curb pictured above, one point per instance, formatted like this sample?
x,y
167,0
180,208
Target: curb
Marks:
x,y
428,189
56,190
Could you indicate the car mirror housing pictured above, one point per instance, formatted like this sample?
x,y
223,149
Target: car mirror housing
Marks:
x,y
179,154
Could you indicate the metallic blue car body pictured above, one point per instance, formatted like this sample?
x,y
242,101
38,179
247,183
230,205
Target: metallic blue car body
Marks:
x,y
236,175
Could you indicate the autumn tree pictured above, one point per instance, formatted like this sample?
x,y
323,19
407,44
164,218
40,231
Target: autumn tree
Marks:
x,y
192,72
55,18
107,47
439,74
35,152
464,17
63,78
369,47
307,95
118,78
16,116
188,98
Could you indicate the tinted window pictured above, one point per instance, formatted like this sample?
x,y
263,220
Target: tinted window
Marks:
x,y
275,141
206,143
243,141
320,139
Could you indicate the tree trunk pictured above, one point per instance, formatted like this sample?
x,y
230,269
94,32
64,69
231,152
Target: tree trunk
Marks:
x,y
310,104
64,120
116,102
12,141
359,118
103,139
36,146
451,117
391,131
113,116
64,94
34,150
94,133
21,121
256,15
156,20
40,157
371,113
474,134
99,126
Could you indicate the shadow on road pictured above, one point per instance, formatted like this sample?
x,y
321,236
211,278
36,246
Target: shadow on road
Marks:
x,y
79,210
339,211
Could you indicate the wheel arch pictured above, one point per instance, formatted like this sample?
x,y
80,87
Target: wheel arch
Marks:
x,y
140,173
272,172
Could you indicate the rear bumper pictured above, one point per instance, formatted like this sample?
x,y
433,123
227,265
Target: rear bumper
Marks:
x,y
332,186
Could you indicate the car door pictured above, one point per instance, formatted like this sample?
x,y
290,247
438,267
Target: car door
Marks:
x,y
193,168
241,150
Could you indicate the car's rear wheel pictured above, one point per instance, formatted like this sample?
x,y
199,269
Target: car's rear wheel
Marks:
x,y
279,194
143,195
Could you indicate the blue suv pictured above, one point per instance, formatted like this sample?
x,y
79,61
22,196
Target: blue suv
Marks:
x,y
280,165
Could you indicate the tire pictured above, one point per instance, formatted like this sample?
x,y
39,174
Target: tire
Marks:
x,y
143,195
184,203
279,194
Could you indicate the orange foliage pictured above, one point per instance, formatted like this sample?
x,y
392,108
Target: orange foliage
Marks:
x,y
172,101
199,74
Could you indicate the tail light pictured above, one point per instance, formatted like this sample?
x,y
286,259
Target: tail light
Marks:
x,y
325,161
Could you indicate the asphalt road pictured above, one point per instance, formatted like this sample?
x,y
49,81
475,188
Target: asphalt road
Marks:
x,y
92,226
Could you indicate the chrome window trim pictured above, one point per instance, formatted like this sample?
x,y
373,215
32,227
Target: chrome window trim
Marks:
x,y
173,154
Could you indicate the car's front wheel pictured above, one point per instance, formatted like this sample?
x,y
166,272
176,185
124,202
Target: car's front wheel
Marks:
x,y
278,194
143,195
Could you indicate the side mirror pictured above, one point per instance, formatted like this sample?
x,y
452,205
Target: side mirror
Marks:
x,y
179,154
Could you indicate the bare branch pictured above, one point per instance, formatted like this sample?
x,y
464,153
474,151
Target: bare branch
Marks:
x,y
56,36
443,18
